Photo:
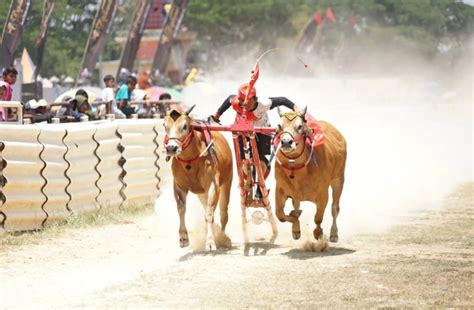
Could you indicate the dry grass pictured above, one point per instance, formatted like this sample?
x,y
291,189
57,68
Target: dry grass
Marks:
x,y
104,216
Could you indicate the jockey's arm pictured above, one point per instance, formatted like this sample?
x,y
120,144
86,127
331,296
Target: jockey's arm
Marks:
x,y
224,107
282,101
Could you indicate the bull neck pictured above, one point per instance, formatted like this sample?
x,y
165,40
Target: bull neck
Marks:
x,y
193,149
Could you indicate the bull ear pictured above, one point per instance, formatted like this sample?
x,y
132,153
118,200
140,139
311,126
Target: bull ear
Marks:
x,y
279,112
190,109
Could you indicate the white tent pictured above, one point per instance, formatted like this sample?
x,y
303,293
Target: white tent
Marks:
x,y
28,67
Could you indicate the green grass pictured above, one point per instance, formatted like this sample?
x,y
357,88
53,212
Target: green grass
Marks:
x,y
103,216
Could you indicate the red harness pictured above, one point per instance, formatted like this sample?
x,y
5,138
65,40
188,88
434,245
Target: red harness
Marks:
x,y
316,138
184,144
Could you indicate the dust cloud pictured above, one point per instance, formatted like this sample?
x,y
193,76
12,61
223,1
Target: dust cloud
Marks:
x,y
409,139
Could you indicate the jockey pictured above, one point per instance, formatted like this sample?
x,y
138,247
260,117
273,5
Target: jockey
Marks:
x,y
255,110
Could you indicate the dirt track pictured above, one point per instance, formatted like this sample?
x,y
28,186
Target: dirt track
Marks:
x,y
425,261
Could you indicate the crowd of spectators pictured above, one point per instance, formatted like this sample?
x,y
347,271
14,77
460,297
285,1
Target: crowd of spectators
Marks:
x,y
117,102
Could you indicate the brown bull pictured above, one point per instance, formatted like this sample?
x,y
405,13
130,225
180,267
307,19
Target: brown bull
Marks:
x,y
305,175
195,171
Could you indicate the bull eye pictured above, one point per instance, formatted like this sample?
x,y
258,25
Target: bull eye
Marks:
x,y
299,127
185,127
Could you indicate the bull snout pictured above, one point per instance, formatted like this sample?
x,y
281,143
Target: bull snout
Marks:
x,y
287,143
171,149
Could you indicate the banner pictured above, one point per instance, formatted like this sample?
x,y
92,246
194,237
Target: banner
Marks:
x,y
95,44
41,41
130,50
330,15
318,18
170,29
12,31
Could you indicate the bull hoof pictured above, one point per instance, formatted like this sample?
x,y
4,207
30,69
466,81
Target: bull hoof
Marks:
x,y
318,233
183,242
224,241
211,246
296,234
296,213
334,238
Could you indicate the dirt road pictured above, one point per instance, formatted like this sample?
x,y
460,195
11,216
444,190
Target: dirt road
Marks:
x,y
424,261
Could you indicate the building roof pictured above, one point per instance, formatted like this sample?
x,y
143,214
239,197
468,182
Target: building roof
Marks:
x,y
156,17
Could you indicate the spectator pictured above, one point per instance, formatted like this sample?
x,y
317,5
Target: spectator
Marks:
x,y
3,91
124,96
38,111
143,80
9,77
165,96
108,96
80,105
169,106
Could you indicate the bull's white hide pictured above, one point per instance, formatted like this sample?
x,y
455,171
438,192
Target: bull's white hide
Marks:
x,y
109,182
82,162
51,137
138,140
23,196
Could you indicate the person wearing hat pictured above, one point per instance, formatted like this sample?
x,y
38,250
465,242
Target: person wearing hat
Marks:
x,y
255,109
80,105
38,111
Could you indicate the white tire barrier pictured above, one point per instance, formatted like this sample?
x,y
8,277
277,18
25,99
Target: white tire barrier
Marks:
x,y
51,137
108,168
22,197
81,171
139,152
49,171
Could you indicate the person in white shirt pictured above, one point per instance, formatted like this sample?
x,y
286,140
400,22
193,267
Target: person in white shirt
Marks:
x,y
109,96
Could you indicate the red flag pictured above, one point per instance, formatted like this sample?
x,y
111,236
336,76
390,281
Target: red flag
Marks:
x,y
318,18
330,15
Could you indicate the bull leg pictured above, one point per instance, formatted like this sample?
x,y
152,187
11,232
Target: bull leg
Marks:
x,y
321,202
180,197
210,207
295,227
280,200
336,186
224,196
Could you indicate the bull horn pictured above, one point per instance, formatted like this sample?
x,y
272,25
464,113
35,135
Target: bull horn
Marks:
x,y
303,112
190,109
279,112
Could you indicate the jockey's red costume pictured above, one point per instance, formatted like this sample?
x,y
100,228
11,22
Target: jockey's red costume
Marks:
x,y
256,112
255,109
